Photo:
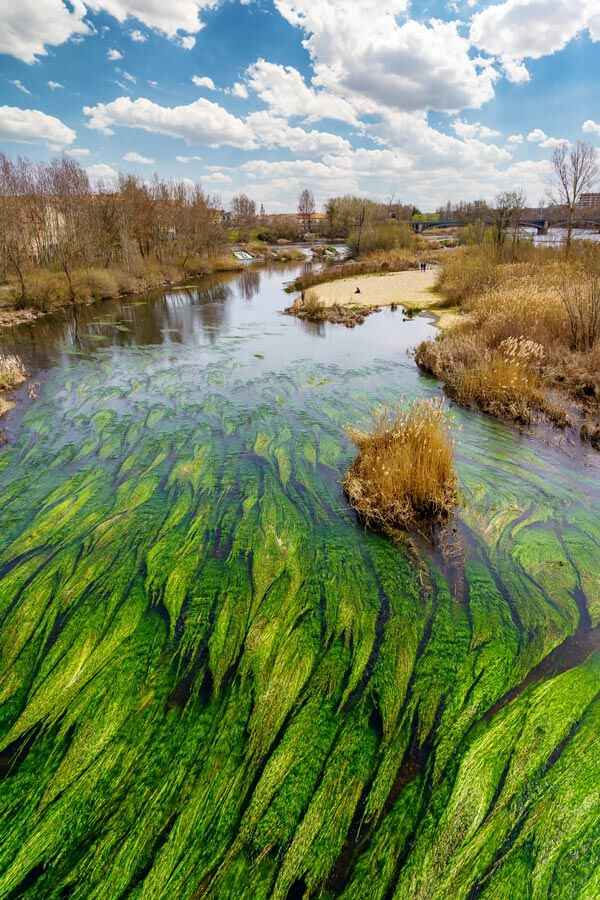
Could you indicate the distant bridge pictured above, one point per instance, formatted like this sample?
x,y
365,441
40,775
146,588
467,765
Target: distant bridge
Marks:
x,y
540,225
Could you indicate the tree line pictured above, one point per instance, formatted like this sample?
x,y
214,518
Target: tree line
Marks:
x,y
51,217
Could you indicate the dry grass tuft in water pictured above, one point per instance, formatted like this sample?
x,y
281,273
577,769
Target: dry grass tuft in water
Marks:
x,y
13,372
404,473
309,307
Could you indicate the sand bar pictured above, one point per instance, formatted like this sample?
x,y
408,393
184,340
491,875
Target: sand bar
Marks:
x,y
410,287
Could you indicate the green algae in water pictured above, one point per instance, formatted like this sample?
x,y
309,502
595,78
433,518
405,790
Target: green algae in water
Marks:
x,y
216,683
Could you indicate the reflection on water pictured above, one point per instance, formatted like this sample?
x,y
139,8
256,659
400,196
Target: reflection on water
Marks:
x,y
218,310
249,283
557,236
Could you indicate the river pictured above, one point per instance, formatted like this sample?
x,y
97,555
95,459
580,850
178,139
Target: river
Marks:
x,y
216,683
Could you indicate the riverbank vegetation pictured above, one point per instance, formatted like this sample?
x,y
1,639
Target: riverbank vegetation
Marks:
x,y
63,242
404,472
528,342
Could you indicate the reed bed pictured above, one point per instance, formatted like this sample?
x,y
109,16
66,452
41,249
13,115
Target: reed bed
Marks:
x,y
47,290
13,372
404,473
528,343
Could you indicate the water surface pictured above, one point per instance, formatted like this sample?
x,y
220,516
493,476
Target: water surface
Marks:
x,y
216,683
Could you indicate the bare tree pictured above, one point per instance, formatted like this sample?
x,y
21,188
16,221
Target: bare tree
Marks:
x,y
243,211
307,206
68,197
243,215
575,171
507,214
331,217
13,230
360,224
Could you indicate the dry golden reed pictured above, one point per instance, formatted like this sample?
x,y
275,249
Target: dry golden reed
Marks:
x,y
13,372
528,342
404,472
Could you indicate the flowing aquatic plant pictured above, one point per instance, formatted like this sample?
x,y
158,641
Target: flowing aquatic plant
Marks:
x,y
213,683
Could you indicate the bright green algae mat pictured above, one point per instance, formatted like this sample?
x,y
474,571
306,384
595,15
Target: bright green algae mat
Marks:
x,y
216,683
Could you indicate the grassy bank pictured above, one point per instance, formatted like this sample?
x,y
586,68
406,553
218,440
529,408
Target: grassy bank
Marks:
x,y
527,344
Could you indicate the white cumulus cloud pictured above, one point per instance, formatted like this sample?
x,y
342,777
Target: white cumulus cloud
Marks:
x,y
537,136
101,170
530,29
206,122
204,81
471,130
135,157
591,127
217,178
114,54
55,85
200,122
273,131
284,90
29,26
237,90
31,126
368,55
168,17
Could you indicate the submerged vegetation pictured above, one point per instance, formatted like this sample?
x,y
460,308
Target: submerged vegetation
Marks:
x,y
404,473
528,343
214,684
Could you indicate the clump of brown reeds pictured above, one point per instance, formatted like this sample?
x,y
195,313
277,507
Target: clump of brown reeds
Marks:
x,y
309,307
13,372
505,381
530,340
404,474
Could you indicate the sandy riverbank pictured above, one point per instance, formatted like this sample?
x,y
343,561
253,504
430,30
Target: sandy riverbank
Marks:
x,y
406,288
411,289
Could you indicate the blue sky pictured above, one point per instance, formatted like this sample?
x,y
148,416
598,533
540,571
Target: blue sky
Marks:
x,y
430,100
